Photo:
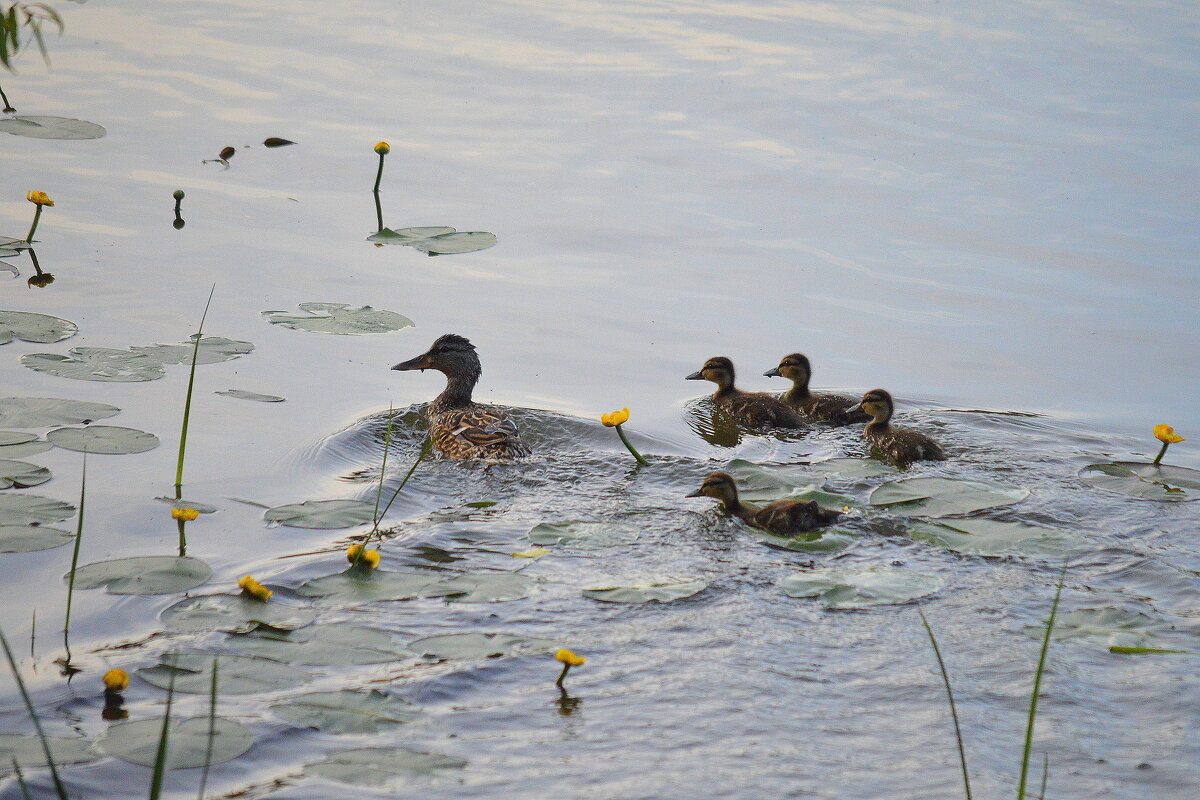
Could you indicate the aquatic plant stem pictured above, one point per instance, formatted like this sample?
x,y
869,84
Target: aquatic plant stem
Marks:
x,y
21,780
37,723
160,757
962,752
37,216
378,212
1045,775
387,444
562,676
1162,452
187,407
428,446
212,729
8,107
378,178
75,557
1037,685
629,447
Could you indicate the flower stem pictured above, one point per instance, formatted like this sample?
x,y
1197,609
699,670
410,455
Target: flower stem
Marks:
x,y
1161,453
566,668
379,177
37,215
630,447
8,108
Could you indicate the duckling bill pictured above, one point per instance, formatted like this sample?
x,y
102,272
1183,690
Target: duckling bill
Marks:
x,y
832,408
899,446
752,409
783,517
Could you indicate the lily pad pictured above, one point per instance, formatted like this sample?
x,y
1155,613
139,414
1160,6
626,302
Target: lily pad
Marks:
x,y
235,675
340,318
940,497
480,645
757,483
854,467
583,535
103,439
183,502
826,540
347,711
242,394
25,449
187,741
407,236
21,474
659,592
487,587
8,438
40,127
458,242
40,328
96,364
26,749
383,767
144,575
1144,480
1124,627
46,412
30,509
861,588
213,350
366,585
322,514
234,613
30,538
995,539
321,645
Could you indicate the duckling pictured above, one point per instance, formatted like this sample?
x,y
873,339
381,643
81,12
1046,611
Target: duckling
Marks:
x,y
822,407
899,446
458,426
783,517
753,409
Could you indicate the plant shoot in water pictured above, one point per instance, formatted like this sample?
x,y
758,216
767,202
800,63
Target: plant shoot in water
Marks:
x,y
962,753
615,420
187,411
382,148
178,223
40,200
1037,686
1167,435
37,723
568,660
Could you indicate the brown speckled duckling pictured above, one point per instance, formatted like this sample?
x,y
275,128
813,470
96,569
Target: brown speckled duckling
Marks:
x,y
783,517
458,426
752,409
832,408
899,446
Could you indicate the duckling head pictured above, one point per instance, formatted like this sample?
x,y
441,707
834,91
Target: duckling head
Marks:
x,y
719,486
717,369
877,403
451,354
794,367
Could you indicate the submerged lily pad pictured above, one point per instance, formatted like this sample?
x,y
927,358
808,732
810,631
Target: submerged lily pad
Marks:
x,y
321,645
242,394
347,711
854,467
40,328
826,540
1144,480
861,588
234,613
21,474
1124,627
322,514
457,242
366,585
382,767
103,439
96,364
994,538
144,575
757,483
46,412
235,674
940,497
30,538
487,587
659,592
584,535
26,749
213,350
480,645
183,502
407,236
30,509
188,741
42,127
340,318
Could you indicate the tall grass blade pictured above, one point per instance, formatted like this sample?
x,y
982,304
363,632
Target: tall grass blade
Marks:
x,y
187,403
37,723
75,555
1037,686
212,729
425,450
1045,775
21,780
160,757
387,444
962,752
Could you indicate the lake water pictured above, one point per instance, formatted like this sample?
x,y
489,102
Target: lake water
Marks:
x,y
983,208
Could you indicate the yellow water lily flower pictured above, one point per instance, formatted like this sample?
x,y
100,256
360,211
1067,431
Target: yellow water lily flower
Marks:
x,y
185,514
116,680
1165,433
570,659
254,589
356,554
39,199
615,418
383,148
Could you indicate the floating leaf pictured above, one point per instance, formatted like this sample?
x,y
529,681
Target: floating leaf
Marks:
x,y
242,394
758,483
407,236
322,514
1123,627
25,449
21,474
366,585
321,645
188,740
275,141
235,675
347,711
488,587
826,540
8,438
382,767
340,318
480,645
854,467
660,592
993,538
29,538
46,412
103,439
1144,480
213,350
38,127
29,509
860,588
480,504
183,502
1133,651
458,242
233,613
939,497
144,575
26,750
96,364
584,535
40,328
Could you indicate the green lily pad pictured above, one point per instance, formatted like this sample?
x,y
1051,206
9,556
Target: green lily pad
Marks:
x,y
487,587
41,127
584,535
457,242
29,509
11,244
25,449
96,364
26,750
340,318
183,502
1144,480
480,645
1124,627
854,467
995,539
322,514
480,504
367,585
659,592
144,575
826,540
235,675
47,412
30,538
383,767
760,484
187,741
321,645
103,439
21,474
407,236
940,497
213,350
233,613
40,328
861,588
242,394
347,711
8,438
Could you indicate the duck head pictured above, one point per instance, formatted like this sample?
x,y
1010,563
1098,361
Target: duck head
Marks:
x,y
794,367
451,354
717,369
877,404
719,486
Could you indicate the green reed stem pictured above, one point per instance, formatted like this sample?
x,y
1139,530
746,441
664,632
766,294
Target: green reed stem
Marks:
x,y
160,757
378,210
37,216
75,553
1037,685
21,780
1045,775
378,178
37,723
428,446
212,729
962,752
387,444
8,107
187,407
1162,452
630,448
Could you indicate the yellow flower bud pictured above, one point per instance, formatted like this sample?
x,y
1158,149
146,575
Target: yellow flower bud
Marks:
x,y
370,557
383,148
185,514
254,589
570,659
116,680
39,199
615,418
1166,434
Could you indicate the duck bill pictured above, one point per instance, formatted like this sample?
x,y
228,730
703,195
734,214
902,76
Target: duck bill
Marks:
x,y
772,373
853,408
420,362
697,493
695,376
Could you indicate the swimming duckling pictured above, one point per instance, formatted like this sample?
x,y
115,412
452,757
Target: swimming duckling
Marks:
x,y
783,517
753,409
458,426
822,407
899,446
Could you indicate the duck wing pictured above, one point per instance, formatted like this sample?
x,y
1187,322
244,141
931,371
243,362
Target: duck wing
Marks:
x,y
479,431
832,408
